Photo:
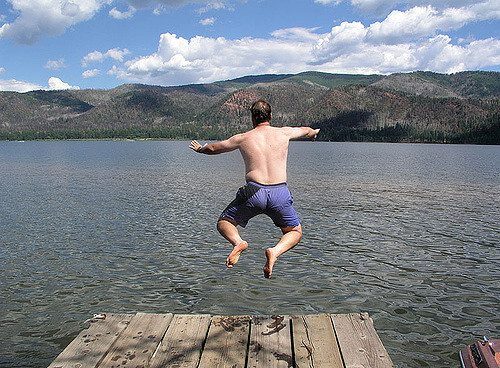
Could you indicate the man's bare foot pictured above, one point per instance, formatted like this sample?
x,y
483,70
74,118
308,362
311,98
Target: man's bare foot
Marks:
x,y
234,256
271,259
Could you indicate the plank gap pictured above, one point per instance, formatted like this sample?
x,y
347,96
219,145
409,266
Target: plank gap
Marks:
x,y
204,342
338,343
294,363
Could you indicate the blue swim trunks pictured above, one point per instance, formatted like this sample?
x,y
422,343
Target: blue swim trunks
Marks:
x,y
253,199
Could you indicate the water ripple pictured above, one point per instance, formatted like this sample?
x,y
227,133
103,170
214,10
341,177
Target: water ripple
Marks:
x,y
408,233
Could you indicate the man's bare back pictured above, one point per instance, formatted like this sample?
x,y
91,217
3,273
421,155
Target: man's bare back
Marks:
x,y
264,150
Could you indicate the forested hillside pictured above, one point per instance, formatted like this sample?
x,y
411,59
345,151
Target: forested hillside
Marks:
x,y
413,107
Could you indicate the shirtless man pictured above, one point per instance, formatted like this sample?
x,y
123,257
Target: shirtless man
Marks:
x,y
264,150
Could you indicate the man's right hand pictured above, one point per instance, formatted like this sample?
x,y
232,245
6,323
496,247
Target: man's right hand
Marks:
x,y
312,133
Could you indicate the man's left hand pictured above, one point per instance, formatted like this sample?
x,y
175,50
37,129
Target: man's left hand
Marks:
x,y
195,146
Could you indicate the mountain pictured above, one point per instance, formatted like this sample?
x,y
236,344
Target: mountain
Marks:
x,y
403,107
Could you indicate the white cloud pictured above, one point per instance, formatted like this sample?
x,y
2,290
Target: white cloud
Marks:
x,y
437,53
14,85
97,56
117,54
207,21
92,57
158,10
342,39
117,14
426,21
297,34
326,2
2,70
202,59
57,84
161,5
39,18
55,64
404,41
91,73
212,5
380,7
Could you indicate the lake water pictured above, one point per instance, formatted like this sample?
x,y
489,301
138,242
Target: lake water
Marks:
x,y
408,233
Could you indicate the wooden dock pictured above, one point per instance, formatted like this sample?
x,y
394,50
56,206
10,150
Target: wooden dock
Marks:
x,y
172,340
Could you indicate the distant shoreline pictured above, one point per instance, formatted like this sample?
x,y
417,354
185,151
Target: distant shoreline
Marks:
x,y
159,139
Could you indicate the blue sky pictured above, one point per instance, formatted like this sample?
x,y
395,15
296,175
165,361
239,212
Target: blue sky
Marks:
x,y
61,44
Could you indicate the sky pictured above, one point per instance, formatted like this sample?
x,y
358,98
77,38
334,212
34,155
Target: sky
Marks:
x,y
101,44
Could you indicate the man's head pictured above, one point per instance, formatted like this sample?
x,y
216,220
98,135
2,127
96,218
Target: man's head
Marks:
x,y
261,112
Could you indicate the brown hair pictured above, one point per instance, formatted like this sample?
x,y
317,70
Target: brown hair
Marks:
x,y
261,112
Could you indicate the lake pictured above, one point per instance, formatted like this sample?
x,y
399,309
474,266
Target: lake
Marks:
x,y
408,233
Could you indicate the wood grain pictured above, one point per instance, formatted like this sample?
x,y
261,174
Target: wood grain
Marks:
x,y
88,349
138,341
182,345
360,345
315,343
270,342
227,340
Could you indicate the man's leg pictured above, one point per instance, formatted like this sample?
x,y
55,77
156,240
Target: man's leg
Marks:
x,y
291,236
229,231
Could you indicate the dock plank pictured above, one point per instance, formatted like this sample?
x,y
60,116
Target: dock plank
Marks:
x,y
138,342
91,345
360,345
226,344
270,342
315,343
181,347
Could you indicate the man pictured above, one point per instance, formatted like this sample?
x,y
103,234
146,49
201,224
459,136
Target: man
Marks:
x,y
264,150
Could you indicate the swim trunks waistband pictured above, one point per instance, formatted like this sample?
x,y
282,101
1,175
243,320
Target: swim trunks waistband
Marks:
x,y
265,185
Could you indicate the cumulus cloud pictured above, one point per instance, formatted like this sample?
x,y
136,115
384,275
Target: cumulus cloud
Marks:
x,y
342,39
350,48
2,70
91,73
98,56
207,21
55,64
38,18
117,14
436,54
403,41
57,84
408,40
14,85
379,7
202,59
427,21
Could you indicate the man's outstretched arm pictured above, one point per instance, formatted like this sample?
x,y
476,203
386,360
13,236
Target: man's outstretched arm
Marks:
x,y
217,147
302,132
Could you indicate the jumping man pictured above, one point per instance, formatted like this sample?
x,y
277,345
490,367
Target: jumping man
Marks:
x,y
264,149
